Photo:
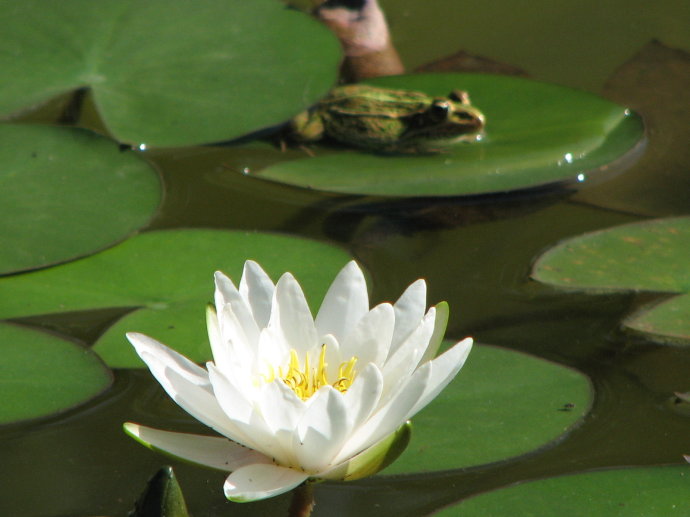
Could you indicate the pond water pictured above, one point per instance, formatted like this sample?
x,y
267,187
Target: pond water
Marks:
x,y
475,254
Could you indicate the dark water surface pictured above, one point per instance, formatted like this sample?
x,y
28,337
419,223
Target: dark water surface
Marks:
x,y
476,255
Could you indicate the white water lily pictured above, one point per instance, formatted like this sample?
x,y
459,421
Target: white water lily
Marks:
x,y
295,397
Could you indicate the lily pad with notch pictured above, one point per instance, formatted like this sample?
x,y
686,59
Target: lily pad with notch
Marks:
x,y
166,277
42,374
537,135
648,256
167,72
67,193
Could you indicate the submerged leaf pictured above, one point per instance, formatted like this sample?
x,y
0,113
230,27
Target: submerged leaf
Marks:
x,y
654,83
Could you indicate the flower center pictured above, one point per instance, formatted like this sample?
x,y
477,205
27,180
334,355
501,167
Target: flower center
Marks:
x,y
307,380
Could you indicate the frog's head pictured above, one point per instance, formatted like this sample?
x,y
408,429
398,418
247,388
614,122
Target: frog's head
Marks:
x,y
447,120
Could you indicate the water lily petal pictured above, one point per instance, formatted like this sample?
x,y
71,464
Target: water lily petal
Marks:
x,y
388,418
373,459
246,424
162,357
225,289
291,320
444,368
242,320
208,451
241,339
345,303
280,406
370,340
231,399
400,365
409,310
363,396
201,404
257,290
185,382
259,481
322,430
219,346
440,325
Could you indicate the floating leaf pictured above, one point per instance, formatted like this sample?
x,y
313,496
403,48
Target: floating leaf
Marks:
x,y
170,275
649,491
181,325
41,374
569,136
502,404
646,256
665,321
66,193
167,72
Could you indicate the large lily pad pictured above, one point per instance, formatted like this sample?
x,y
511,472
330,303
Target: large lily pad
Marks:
x,y
67,192
167,72
169,276
537,134
647,256
502,404
650,491
42,374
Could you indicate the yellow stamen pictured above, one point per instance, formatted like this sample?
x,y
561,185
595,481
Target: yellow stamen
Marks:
x,y
305,382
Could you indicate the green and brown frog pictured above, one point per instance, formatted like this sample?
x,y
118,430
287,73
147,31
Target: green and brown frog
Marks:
x,y
390,121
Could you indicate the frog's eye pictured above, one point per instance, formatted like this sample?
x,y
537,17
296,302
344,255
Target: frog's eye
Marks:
x,y
459,96
439,110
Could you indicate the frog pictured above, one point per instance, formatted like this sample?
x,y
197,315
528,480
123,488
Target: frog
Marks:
x,y
385,120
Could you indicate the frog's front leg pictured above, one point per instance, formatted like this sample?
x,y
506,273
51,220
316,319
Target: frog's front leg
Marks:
x,y
306,127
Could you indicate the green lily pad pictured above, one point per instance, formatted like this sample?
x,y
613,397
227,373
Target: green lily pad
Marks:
x,y
537,134
502,404
169,275
41,374
167,72
633,492
182,323
65,193
647,256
